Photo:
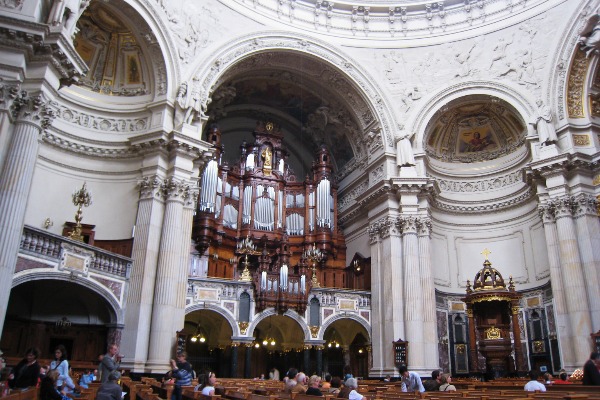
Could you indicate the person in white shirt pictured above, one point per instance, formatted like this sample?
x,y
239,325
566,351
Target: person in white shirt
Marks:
x,y
352,383
534,384
411,381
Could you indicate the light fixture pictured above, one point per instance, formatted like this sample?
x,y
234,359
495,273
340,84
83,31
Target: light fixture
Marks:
x,y
269,339
333,342
199,336
245,247
314,255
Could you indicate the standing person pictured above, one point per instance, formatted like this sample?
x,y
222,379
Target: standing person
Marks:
x,y
411,381
274,374
110,362
182,372
60,364
534,384
110,390
27,371
591,375
433,384
446,384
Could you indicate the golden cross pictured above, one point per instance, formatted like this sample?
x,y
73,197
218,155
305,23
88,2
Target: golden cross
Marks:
x,y
486,253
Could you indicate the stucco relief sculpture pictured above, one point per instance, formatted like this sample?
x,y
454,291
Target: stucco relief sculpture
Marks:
x,y
542,123
66,12
188,105
404,152
589,38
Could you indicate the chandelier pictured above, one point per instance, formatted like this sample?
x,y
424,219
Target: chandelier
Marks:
x,y
199,336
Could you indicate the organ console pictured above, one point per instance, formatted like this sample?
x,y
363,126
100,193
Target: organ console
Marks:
x,y
259,200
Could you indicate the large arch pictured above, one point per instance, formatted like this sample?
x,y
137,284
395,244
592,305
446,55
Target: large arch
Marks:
x,y
361,321
209,71
522,101
101,290
219,310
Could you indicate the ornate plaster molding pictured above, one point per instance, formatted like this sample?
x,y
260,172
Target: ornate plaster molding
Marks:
x,y
490,206
388,20
481,185
101,123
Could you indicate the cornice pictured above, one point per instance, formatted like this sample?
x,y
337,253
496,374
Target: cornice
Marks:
x,y
40,44
379,190
491,205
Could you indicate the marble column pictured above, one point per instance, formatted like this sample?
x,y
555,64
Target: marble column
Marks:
x,y
574,284
162,329
138,313
248,361
234,359
563,325
306,360
588,238
413,293
430,335
473,359
31,113
319,350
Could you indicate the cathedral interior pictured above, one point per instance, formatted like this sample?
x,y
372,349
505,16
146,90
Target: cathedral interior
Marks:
x,y
297,183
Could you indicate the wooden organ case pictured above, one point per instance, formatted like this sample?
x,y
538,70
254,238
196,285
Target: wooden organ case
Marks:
x,y
259,224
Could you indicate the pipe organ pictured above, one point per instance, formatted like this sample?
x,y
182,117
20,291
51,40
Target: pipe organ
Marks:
x,y
259,200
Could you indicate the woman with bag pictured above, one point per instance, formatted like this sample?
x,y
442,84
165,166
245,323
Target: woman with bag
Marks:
x,y
61,365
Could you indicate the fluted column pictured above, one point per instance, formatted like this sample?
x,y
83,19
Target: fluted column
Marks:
x,y
138,314
386,293
31,113
430,336
162,329
413,294
574,285
563,325
588,237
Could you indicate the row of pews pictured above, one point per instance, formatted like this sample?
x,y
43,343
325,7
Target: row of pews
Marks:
x,y
246,389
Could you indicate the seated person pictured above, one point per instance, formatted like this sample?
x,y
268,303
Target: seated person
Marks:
x,y
110,390
87,378
446,385
433,384
327,384
534,384
563,379
352,384
313,386
336,384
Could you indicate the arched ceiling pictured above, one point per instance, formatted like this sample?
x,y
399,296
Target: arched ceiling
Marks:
x,y
114,41
313,103
474,129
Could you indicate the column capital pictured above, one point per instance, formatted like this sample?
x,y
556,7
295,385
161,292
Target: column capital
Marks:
x,y
585,204
176,189
563,207
9,91
409,225
424,226
33,108
150,187
384,228
546,212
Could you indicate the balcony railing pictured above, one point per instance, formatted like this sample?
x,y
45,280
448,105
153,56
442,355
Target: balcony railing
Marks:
x,y
45,245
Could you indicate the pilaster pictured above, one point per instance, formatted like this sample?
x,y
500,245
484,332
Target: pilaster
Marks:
x,y
412,294
588,237
574,285
428,312
31,113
